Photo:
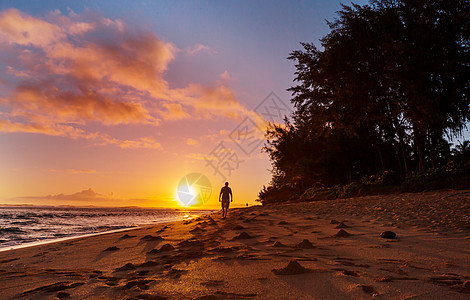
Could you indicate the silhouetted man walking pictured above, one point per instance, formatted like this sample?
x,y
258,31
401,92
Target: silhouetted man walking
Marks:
x,y
226,197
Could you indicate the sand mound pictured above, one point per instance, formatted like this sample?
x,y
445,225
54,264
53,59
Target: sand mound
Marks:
x,y
126,267
126,236
196,229
149,263
113,248
165,227
191,244
238,227
283,223
279,244
292,268
334,222
342,233
152,238
164,248
305,244
242,236
367,289
211,221
342,225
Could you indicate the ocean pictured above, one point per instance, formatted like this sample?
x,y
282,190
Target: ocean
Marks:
x,y
33,224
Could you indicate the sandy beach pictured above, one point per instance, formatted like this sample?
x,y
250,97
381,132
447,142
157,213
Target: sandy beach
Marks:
x,y
311,250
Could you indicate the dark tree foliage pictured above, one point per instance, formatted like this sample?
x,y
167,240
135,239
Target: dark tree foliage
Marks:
x,y
391,82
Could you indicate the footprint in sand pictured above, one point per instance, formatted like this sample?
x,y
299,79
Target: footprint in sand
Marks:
x,y
95,274
392,279
55,287
147,264
349,272
163,229
225,295
176,273
446,280
226,249
366,289
137,274
112,281
213,283
151,296
141,284
63,295
191,244
350,263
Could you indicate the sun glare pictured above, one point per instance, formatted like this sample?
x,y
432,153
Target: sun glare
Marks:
x,y
194,189
186,195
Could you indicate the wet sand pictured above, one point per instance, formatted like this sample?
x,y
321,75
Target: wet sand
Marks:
x,y
315,250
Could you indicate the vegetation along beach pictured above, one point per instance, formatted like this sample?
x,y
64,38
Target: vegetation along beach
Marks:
x,y
235,150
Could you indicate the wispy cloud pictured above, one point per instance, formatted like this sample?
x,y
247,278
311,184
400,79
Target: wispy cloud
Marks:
x,y
74,171
88,197
200,48
192,142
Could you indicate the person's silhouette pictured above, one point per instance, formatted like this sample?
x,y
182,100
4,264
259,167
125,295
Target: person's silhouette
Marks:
x,y
225,197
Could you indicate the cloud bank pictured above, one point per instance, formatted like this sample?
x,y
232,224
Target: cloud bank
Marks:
x,y
64,73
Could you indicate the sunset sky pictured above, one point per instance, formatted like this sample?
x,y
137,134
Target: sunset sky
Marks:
x,y
113,102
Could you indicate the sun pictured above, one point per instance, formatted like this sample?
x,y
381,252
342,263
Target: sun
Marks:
x,y
194,189
186,195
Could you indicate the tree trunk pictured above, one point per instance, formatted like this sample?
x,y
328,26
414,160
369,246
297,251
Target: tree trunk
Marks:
x,y
419,139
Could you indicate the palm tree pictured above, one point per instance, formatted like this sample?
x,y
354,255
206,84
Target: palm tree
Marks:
x,y
462,150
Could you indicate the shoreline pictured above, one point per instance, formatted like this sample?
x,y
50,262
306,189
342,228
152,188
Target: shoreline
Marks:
x,y
72,237
63,239
260,252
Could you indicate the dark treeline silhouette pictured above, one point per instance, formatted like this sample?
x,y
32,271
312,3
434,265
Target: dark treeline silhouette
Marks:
x,y
383,96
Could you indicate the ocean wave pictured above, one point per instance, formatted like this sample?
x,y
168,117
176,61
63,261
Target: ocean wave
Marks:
x,y
25,223
16,230
19,225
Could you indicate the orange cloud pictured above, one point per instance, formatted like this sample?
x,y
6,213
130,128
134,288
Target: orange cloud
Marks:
x,y
192,142
17,28
67,72
77,133
174,111
86,105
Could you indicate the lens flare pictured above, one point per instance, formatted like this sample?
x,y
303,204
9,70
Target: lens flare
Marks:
x,y
194,189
